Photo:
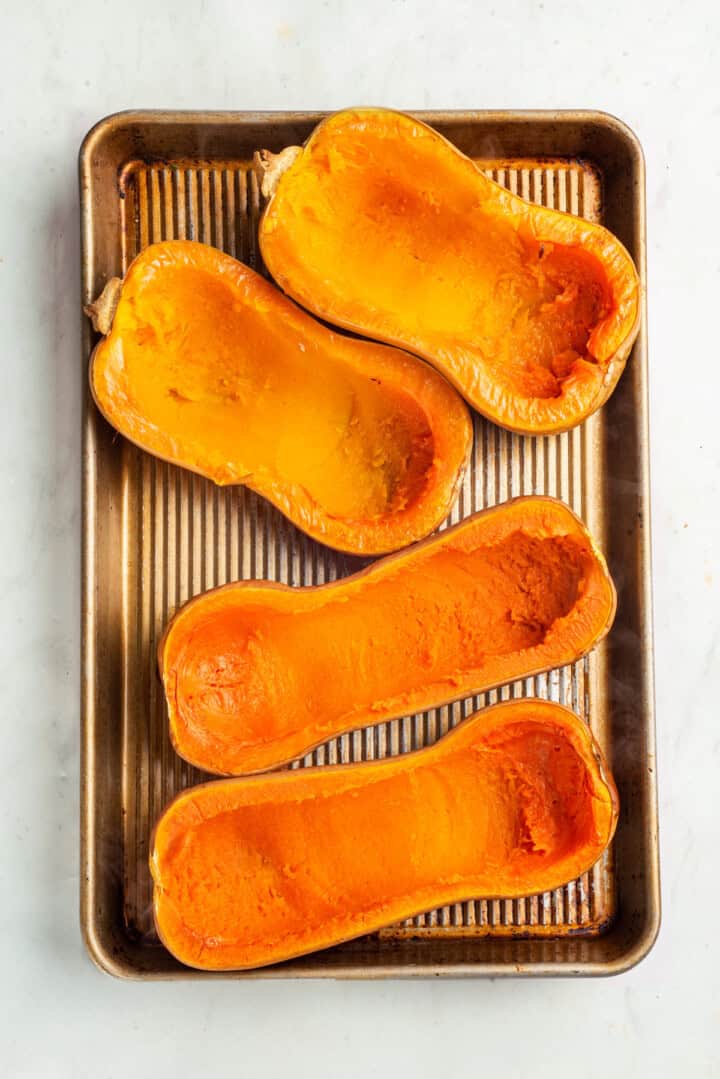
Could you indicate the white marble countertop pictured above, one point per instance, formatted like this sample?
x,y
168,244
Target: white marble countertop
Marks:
x,y
65,65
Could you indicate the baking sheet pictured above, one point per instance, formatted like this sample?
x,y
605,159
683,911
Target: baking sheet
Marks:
x,y
154,535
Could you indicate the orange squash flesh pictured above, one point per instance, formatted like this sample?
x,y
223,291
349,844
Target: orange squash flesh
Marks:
x,y
257,673
382,226
516,800
208,366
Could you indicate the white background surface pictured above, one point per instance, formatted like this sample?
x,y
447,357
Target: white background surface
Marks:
x,y
64,65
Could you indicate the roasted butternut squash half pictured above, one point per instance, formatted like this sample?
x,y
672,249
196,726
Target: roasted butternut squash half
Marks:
x,y
256,673
515,800
378,224
209,366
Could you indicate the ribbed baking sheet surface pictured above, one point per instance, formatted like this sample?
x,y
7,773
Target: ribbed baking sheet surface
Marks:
x,y
182,535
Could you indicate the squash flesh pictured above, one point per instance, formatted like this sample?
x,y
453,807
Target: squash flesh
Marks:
x,y
256,674
247,872
381,226
208,366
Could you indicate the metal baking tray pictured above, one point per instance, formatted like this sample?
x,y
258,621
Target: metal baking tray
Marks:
x,y
154,535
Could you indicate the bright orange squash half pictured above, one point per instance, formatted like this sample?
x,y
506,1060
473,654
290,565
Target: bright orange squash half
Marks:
x,y
256,673
207,365
515,800
380,225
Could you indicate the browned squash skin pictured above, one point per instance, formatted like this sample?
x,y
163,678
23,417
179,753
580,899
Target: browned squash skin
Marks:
x,y
378,224
207,365
515,800
255,673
